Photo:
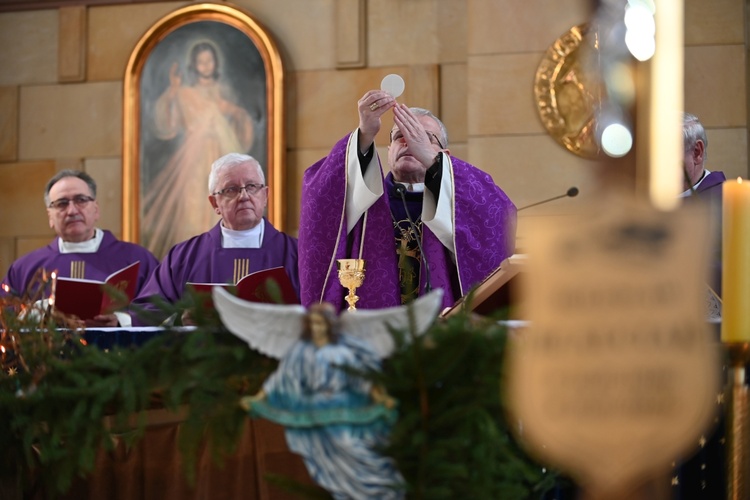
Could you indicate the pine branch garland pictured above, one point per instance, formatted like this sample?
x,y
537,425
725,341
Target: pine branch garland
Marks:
x,y
61,401
451,439
54,409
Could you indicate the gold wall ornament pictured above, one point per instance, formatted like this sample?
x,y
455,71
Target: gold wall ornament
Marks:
x,y
567,95
351,276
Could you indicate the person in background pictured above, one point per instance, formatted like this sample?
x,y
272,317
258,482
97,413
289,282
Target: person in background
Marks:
x,y
242,242
699,181
703,476
80,249
703,186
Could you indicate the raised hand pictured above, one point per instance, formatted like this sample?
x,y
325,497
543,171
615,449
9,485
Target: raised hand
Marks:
x,y
414,134
371,108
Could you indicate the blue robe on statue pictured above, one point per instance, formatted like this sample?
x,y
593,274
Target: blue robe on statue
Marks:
x,y
331,419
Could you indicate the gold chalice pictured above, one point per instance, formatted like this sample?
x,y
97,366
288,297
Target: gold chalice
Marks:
x,y
351,275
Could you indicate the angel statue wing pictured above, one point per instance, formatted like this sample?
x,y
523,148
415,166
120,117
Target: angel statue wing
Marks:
x,y
372,325
269,328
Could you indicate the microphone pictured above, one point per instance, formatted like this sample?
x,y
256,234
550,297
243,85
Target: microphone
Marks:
x,y
400,189
572,192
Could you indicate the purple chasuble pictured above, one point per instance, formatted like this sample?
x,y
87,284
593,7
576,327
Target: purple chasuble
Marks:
x,y
112,256
201,259
711,184
484,221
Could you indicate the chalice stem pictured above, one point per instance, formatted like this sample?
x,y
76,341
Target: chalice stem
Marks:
x,y
352,299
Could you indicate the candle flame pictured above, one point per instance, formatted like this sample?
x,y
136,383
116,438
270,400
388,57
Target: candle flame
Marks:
x,y
2,349
53,275
6,288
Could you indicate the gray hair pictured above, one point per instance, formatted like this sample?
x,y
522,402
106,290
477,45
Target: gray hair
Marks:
x,y
231,160
693,131
62,174
443,130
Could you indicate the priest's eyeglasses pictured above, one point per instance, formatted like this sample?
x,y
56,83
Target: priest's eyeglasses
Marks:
x,y
62,204
397,136
232,192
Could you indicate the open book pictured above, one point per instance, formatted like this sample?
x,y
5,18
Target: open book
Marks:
x,y
89,298
270,286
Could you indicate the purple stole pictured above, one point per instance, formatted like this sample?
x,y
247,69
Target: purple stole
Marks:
x,y
484,223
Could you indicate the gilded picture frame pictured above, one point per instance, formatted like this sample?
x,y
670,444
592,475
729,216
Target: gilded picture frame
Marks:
x,y
203,81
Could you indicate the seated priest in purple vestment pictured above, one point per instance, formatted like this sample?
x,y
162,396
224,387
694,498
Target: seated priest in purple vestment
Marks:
x,y
242,242
432,221
80,250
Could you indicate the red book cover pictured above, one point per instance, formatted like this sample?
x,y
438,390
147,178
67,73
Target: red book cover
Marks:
x,y
260,286
89,298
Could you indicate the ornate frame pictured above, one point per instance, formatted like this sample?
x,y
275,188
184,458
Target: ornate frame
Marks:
x,y
132,126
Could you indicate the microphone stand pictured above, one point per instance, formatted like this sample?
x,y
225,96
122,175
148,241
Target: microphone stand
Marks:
x,y
569,193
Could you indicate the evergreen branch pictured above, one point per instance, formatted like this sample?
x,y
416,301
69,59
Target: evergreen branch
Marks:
x,y
68,400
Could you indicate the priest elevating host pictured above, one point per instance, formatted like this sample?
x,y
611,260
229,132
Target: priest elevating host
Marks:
x,y
432,221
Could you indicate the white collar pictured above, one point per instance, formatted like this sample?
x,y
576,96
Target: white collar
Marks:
x,y
417,187
88,246
247,238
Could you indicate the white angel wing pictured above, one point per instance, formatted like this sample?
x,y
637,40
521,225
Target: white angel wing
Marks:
x,y
371,325
269,328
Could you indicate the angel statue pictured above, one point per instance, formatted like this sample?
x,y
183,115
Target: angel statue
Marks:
x,y
334,418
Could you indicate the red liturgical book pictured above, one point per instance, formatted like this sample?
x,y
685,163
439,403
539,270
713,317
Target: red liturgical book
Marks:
x,y
89,298
271,286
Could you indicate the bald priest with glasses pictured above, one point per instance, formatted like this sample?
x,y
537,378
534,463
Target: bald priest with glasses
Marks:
x,y
80,250
241,243
431,209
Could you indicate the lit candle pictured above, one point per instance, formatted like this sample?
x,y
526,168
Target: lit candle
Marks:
x,y
735,254
53,276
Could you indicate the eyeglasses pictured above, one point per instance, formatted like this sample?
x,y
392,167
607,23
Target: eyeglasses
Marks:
x,y
232,192
62,204
397,136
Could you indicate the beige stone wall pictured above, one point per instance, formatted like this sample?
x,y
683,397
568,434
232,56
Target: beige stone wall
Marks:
x,y
472,61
